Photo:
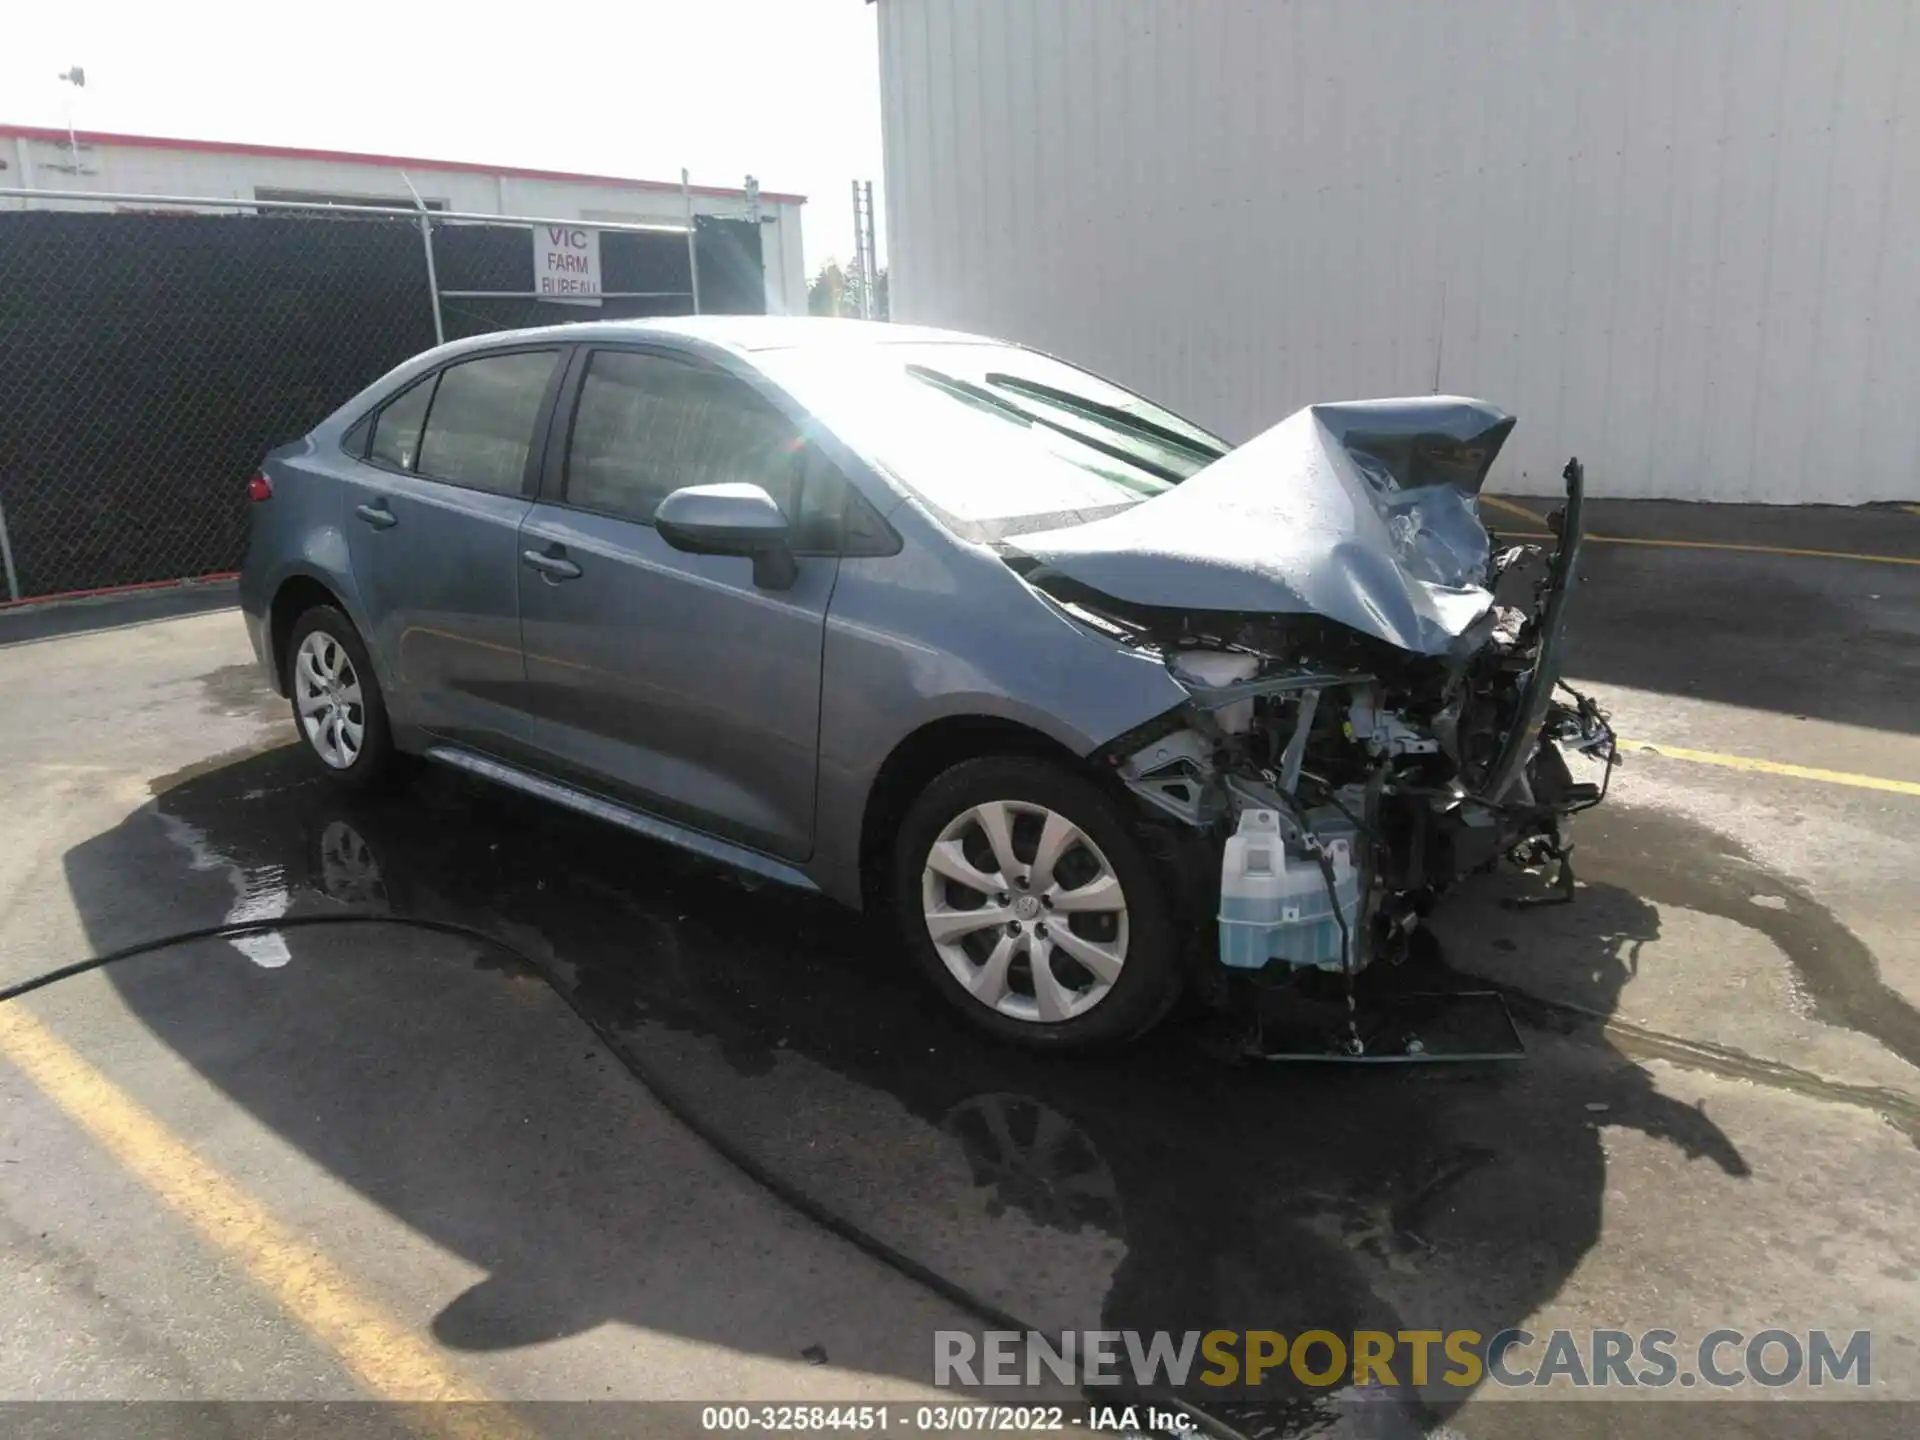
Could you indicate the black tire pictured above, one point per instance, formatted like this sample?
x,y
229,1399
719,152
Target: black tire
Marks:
x,y
1148,982
375,765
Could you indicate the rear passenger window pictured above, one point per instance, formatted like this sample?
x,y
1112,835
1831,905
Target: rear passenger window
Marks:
x,y
396,435
647,426
480,426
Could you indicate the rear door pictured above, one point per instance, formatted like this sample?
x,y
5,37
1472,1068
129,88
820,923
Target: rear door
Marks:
x,y
433,522
667,679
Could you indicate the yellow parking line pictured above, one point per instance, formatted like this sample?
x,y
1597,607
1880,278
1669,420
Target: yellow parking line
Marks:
x,y
1721,545
1773,767
1512,509
392,1362
1755,549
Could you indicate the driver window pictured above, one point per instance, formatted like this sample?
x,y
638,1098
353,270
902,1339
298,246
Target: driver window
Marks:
x,y
647,425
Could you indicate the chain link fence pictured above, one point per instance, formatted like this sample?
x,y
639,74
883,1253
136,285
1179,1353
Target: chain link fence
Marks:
x,y
149,360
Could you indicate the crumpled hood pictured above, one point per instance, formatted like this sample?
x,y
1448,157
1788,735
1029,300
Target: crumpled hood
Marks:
x,y
1362,512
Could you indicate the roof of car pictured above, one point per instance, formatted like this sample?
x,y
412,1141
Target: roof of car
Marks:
x,y
762,332
785,332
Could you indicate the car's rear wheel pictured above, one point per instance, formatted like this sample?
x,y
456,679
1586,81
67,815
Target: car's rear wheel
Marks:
x,y
1024,895
337,704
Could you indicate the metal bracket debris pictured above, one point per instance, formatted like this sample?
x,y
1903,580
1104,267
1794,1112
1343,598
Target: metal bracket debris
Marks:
x,y
1548,848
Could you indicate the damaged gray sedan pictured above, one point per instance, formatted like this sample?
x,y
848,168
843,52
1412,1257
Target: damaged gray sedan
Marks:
x,y
1103,709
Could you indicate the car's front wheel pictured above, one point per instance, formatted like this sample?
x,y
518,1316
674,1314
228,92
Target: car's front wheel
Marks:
x,y
1027,900
337,705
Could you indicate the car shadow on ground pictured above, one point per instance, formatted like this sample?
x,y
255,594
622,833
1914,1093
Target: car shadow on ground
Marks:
x,y
1162,1189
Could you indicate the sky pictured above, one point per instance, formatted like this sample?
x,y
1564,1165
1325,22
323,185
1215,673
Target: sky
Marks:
x,y
784,90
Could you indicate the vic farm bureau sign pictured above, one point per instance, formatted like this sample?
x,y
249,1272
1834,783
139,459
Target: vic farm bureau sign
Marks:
x,y
566,263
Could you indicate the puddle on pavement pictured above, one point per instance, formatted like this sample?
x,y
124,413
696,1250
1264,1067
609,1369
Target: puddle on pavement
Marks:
x,y
1635,862
241,690
1161,1189
259,891
1634,850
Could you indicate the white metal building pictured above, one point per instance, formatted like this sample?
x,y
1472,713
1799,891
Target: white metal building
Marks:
x,y
38,159
1678,239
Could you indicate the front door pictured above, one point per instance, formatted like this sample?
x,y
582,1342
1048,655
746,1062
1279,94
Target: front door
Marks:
x,y
433,520
669,679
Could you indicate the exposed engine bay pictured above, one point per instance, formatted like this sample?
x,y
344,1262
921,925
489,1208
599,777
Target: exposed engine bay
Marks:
x,y
1392,720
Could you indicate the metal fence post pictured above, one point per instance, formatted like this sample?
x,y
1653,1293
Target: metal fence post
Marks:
x,y
6,555
433,280
693,254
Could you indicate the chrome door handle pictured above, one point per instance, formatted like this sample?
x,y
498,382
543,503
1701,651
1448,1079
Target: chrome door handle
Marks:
x,y
377,516
551,566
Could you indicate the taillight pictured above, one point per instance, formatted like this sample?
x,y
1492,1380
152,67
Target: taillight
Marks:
x,y
259,488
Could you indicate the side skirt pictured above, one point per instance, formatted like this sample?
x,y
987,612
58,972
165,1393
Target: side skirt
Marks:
x,y
638,821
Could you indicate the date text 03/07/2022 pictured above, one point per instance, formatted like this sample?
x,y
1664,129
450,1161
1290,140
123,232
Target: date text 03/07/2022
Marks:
x,y
942,1418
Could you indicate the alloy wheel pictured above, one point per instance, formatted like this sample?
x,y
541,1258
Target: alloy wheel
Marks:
x,y
1025,911
326,693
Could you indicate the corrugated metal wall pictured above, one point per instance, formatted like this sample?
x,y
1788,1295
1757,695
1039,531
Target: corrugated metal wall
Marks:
x,y
1681,237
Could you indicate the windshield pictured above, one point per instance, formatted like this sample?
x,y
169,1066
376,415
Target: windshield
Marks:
x,y
995,439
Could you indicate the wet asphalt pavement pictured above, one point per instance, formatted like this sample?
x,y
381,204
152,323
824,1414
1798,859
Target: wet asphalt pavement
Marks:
x,y
1715,1121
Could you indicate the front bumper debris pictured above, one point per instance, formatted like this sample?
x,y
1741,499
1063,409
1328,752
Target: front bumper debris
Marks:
x,y
1348,784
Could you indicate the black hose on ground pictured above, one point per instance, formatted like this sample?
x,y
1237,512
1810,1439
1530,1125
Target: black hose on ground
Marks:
x,y
239,930
762,1175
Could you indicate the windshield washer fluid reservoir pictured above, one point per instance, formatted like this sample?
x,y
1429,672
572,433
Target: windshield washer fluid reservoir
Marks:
x,y
1274,905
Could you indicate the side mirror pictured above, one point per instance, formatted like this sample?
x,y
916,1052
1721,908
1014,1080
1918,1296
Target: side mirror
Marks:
x,y
730,520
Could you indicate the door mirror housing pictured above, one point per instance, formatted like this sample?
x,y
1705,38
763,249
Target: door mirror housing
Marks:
x,y
730,520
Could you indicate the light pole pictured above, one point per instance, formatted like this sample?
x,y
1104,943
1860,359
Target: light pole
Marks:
x,y
76,77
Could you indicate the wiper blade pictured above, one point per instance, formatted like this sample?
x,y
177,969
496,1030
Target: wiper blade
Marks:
x,y
972,394
1109,414
966,390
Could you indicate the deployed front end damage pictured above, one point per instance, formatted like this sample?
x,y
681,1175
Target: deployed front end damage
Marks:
x,y
1375,700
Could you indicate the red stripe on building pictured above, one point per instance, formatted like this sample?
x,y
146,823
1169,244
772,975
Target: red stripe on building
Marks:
x,y
396,162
